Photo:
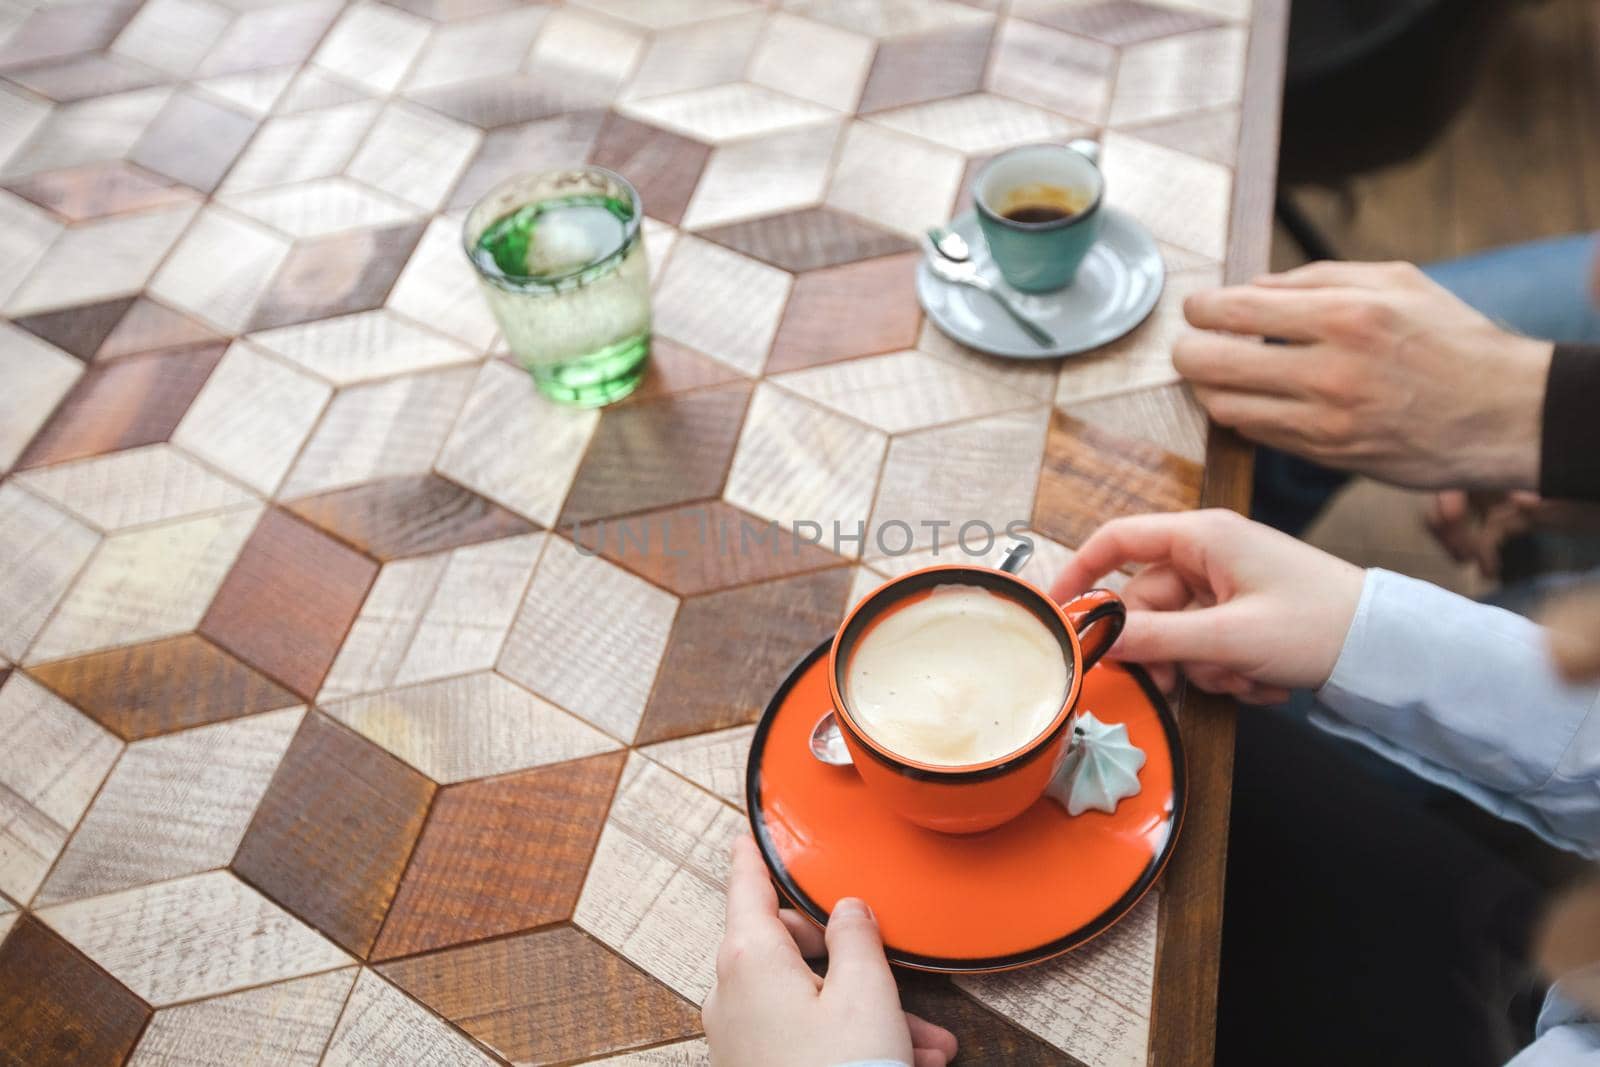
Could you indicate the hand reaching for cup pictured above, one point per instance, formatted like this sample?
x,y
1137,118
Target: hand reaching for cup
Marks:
x,y
769,1008
1238,607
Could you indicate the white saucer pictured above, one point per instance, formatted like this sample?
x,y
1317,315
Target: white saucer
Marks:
x,y
1117,285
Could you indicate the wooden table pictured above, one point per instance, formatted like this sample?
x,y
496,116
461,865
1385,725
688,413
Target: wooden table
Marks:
x,y
328,737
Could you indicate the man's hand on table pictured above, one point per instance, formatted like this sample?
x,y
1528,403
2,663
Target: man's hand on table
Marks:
x,y
1238,607
1384,373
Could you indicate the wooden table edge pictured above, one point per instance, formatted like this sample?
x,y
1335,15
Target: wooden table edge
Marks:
x,y
1183,1017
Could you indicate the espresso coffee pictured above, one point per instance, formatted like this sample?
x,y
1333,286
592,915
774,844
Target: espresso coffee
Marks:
x,y
1037,202
956,676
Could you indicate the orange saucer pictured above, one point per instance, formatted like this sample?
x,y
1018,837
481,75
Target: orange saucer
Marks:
x,y
1029,890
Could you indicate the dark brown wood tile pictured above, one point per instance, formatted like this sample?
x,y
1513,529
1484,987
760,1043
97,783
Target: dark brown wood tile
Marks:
x,y
64,30
82,76
510,150
289,600
807,240
1116,22
501,855
504,101
409,516
152,689
123,404
194,140
98,189
762,628
676,368
79,330
927,66
547,997
337,275
1090,475
984,1037
150,326
663,166
58,1008
877,297
665,452
703,547
334,831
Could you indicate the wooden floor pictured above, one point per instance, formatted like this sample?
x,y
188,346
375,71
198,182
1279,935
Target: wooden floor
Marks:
x,y
1521,161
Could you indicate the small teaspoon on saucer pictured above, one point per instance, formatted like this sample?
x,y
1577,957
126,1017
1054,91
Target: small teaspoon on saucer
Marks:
x,y
965,272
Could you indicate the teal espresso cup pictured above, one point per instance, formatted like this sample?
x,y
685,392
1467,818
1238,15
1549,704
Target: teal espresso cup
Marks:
x,y
1040,209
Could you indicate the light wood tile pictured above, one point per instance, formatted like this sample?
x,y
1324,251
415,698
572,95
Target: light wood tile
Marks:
x,y
192,937
655,887
720,303
151,582
373,45
105,127
903,391
26,233
1182,199
697,55
1092,1003
514,446
382,1027
251,417
50,769
220,269
20,114
1172,75
254,91
1036,378
465,623
148,326
1163,415
1143,358
438,287
896,181
539,145
763,175
282,1025
320,207
488,47
213,775
931,65
137,487
301,147
581,48
414,155
270,35
41,551
798,462
589,638
812,61
102,259
369,344
890,18
172,35
1052,69
1212,135
980,122
380,430
314,89
714,761
382,632
694,1053
662,14
37,376
726,112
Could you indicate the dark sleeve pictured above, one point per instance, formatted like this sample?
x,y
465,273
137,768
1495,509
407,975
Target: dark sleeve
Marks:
x,y
1569,452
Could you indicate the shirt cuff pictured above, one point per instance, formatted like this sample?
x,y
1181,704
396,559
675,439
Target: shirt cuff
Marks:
x,y
1569,445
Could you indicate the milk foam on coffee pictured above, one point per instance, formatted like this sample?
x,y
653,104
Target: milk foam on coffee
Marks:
x,y
960,676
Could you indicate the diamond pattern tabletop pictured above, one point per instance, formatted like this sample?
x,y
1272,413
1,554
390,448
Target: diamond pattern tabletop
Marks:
x,y
339,727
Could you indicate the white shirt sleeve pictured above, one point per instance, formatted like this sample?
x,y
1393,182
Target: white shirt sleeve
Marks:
x,y
1464,695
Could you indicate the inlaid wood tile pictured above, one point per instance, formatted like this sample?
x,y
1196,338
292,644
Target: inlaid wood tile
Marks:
x,y
675,368
1055,70
806,240
899,182
150,582
539,145
414,155
336,275
372,45
652,455
8,911
1143,358
500,855
876,296
321,207
1189,72
903,391
409,516
798,462
1091,1003
300,147
762,175
702,547
287,603
547,997
726,112
220,269
698,55
88,131
655,886
80,330
812,61
270,36
251,417
20,114
714,761
56,1008
50,769
172,35
694,1053
983,1036
1035,377
149,326
313,89
134,488
487,47
664,14
382,1027
659,238
157,688
721,303
358,347
764,628
438,287
252,91
890,18
508,100
1091,475
514,446
983,470
122,404
577,46
1182,199
1116,22
91,191
101,259
192,937
1212,135
26,231
284,1025
981,123
926,66
49,32
334,831
663,166
383,630
1164,415
41,550
471,726
589,637
38,375
193,140
214,775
